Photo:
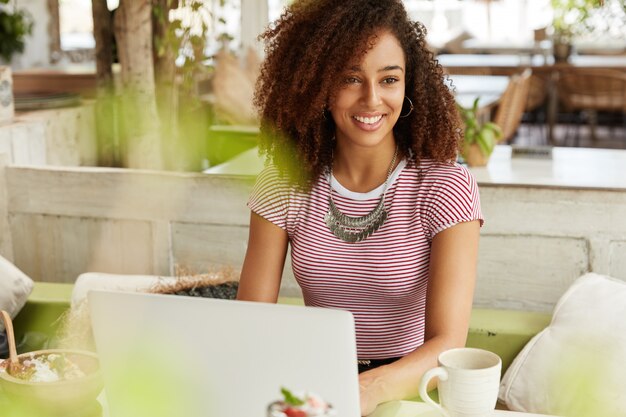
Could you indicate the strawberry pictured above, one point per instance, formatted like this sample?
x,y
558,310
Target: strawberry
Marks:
x,y
294,412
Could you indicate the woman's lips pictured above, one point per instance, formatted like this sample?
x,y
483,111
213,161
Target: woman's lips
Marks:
x,y
368,123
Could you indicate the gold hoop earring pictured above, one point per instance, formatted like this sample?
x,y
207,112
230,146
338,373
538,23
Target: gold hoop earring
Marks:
x,y
411,107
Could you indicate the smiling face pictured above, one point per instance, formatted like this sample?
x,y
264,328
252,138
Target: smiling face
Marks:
x,y
370,101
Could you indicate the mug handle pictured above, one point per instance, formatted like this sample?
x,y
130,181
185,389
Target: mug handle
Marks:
x,y
442,374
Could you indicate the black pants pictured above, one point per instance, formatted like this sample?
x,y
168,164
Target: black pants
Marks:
x,y
368,364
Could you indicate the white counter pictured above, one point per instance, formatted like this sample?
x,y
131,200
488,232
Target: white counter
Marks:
x,y
567,167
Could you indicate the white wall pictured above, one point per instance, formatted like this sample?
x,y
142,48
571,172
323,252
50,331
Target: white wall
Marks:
x,y
254,19
37,50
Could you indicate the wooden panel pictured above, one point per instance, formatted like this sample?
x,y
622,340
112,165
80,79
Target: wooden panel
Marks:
x,y
162,248
528,272
552,211
129,194
536,240
6,245
28,143
617,259
58,249
70,135
202,247
5,142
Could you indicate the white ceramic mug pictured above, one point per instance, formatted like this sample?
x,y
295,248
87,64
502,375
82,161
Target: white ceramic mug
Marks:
x,y
468,382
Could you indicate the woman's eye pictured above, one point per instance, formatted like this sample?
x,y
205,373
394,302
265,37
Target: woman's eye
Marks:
x,y
390,80
352,80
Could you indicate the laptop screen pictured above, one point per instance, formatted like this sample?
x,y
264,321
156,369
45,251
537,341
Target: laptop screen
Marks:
x,y
166,355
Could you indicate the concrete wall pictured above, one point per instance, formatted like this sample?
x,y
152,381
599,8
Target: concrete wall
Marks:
x,y
63,136
60,222
538,240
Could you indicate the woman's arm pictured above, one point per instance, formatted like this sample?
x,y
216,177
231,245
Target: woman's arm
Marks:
x,y
265,258
452,277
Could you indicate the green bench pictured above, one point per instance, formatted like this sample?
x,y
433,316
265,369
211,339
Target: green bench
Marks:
x,y
504,332
39,319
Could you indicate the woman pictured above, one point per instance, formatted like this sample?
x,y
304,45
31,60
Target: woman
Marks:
x,y
362,134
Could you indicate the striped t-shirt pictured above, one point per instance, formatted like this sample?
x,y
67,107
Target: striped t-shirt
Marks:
x,y
382,280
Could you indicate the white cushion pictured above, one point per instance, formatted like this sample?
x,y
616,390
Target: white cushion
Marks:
x,y
15,287
577,365
114,282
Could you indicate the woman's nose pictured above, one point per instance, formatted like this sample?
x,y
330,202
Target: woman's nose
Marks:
x,y
371,95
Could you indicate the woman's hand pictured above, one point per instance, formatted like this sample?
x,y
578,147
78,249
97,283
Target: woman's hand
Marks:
x,y
372,391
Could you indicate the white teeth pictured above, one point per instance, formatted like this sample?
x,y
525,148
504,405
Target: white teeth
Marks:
x,y
368,120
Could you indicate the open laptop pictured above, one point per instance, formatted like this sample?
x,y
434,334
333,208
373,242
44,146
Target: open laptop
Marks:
x,y
170,356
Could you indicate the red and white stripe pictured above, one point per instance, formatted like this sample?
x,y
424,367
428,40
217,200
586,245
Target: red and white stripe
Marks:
x,y
383,279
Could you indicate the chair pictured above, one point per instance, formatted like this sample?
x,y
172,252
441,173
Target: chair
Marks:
x,y
537,92
535,112
590,91
512,105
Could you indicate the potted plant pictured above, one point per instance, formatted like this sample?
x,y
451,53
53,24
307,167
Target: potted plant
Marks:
x,y
14,26
479,139
569,20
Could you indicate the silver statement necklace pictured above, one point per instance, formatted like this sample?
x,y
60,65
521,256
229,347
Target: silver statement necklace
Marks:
x,y
355,229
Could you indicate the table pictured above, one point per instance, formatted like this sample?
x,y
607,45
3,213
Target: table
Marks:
x,y
93,409
486,102
595,61
487,88
247,163
507,64
544,47
541,65
559,167
581,168
501,47
501,64
418,409
480,84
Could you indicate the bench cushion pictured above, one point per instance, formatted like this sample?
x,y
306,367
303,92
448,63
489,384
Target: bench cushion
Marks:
x,y
504,332
576,363
15,286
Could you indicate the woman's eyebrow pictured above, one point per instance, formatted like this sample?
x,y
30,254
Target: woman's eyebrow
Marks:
x,y
391,68
357,68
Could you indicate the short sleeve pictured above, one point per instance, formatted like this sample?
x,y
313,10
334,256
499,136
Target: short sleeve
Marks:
x,y
452,198
270,197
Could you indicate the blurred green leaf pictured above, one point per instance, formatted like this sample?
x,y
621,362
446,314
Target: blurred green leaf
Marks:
x,y
290,398
485,135
14,27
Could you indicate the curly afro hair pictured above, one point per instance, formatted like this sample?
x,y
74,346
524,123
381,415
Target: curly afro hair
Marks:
x,y
307,50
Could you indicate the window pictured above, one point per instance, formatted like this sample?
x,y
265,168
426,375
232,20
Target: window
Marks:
x,y
76,25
